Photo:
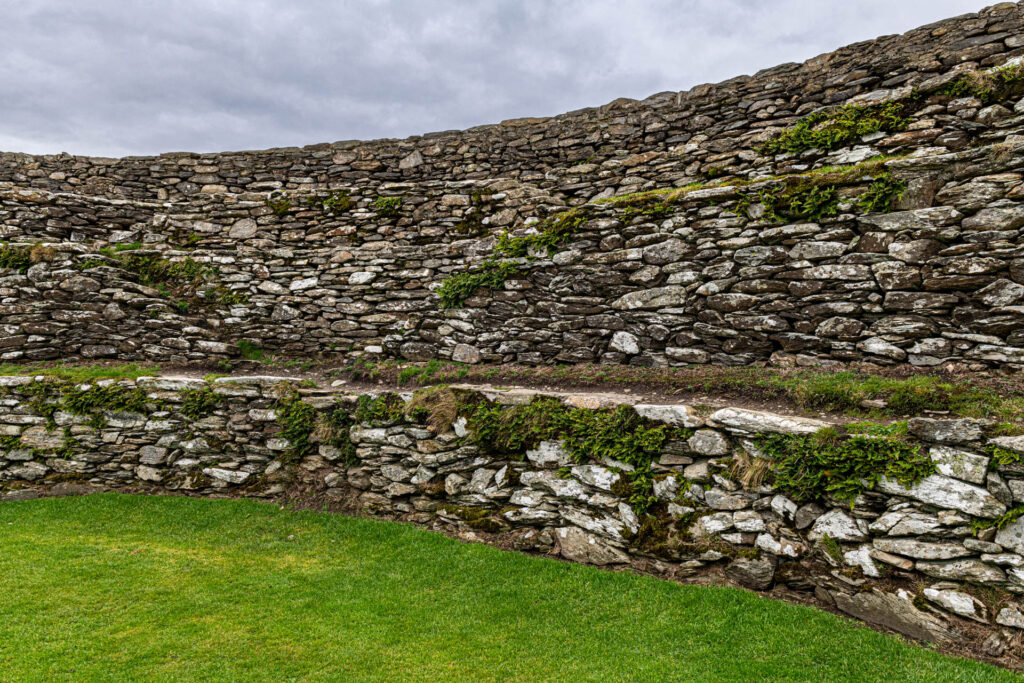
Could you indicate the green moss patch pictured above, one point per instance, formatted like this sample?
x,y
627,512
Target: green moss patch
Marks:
x,y
834,463
834,128
618,435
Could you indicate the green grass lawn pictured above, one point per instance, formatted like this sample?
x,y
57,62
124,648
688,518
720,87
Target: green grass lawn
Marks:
x,y
126,588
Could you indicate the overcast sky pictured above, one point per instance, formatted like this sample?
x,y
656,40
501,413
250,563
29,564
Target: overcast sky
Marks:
x,y
118,77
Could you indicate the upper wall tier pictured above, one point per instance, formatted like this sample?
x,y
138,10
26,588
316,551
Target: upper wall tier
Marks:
x,y
768,229
668,139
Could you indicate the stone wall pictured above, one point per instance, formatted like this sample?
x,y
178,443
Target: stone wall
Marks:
x,y
906,556
668,139
940,281
936,277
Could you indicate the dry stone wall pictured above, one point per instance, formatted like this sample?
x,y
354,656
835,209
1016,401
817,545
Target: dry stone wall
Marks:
x,y
936,276
668,139
702,283
909,556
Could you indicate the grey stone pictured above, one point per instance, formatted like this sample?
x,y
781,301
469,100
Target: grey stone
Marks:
x,y
921,550
755,421
1012,536
895,611
839,526
962,570
959,464
657,297
756,573
945,430
708,442
577,545
464,353
947,492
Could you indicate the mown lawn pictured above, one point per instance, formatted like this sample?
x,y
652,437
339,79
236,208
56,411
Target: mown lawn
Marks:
x,y
126,588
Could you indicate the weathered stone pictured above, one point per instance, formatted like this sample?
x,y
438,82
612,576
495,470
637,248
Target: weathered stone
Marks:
x,y
945,431
243,229
959,464
549,454
679,415
625,342
1012,536
754,421
579,546
839,526
657,297
1011,616
464,353
708,442
946,492
756,573
962,570
921,550
895,611
229,476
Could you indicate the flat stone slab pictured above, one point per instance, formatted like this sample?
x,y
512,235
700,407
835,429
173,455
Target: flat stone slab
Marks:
x,y
754,421
947,492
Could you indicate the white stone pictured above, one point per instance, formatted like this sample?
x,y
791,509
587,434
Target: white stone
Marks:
x,y
171,383
596,476
957,602
747,520
946,492
148,473
783,507
376,435
361,278
778,546
1012,536
1011,616
839,526
230,476
716,523
753,421
666,488
566,488
682,416
625,342
921,550
959,464
1011,443
656,297
302,284
861,557
525,497
629,518
708,442
604,525
880,347
962,570
549,453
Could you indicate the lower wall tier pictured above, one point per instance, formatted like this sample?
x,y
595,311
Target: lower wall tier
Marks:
x,y
917,526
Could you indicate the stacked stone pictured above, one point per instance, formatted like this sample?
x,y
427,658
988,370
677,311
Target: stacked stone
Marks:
x,y
932,533
938,280
941,281
667,139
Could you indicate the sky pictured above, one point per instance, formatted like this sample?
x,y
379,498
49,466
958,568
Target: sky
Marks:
x,y
129,77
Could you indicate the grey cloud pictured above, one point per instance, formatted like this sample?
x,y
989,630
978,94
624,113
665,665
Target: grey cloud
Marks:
x,y
113,77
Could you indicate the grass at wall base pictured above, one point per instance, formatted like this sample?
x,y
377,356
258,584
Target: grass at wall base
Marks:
x,y
130,588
